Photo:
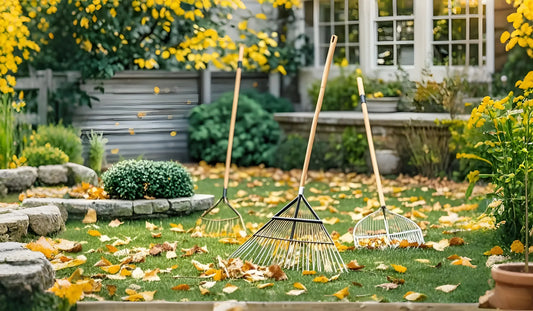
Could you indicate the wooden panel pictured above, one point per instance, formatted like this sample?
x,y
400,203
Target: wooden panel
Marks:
x,y
223,82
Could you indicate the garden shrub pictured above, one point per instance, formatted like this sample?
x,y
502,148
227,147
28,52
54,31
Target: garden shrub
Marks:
x,y
340,93
136,179
44,155
255,138
66,139
268,101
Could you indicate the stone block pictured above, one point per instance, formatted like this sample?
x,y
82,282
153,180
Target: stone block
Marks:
x,y
77,208
53,174
113,208
142,207
201,202
23,271
160,205
44,220
18,179
13,227
60,203
78,173
180,205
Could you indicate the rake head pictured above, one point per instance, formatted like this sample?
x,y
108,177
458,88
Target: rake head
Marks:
x,y
225,222
295,238
385,228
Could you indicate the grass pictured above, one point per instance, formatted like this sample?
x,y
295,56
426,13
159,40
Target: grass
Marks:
x,y
248,191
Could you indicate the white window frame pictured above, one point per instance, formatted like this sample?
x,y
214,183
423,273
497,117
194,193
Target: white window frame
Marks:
x,y
423,44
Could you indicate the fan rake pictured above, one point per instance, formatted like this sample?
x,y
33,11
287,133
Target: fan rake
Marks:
x,y
295,238
229,224
382,227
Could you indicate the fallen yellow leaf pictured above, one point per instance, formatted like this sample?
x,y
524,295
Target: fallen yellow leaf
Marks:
x,y
229,288
414,296
93,232
399,268
321,279
308,272
463,261
151,275
151,226
181,287
342,293
90,217
265,285
299,285
111,269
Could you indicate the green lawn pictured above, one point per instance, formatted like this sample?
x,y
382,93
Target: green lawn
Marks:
x,y
343,193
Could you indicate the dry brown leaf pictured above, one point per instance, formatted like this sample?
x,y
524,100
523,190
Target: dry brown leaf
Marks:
x,y
295,292
229,288
181,287
115,223
68,246
275,272
342,293
395,280
388,286
90,216
111,289
447,288
456,241
103,263
194,250
353,265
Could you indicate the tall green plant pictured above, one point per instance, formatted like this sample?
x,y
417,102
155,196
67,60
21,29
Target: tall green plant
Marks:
x,y
97,144
6,131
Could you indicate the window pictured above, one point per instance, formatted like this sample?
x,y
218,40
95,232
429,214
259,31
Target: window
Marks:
x,y
395,32
459,32
340,17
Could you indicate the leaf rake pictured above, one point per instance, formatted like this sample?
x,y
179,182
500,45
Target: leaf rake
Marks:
x,y
232,220
295,238
382,227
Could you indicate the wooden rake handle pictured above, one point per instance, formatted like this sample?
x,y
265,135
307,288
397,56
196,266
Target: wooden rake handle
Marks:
x,y
370,141
329,58
233,117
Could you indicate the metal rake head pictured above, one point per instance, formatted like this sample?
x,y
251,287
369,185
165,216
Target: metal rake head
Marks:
x,y
226,222
298,243
385,228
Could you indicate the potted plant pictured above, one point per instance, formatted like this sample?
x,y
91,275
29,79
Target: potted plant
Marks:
x,y
502,135
383,96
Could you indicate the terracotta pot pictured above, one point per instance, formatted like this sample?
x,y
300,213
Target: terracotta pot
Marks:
x,y
513,287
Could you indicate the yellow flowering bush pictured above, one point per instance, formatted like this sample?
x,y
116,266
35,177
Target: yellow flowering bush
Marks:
x,y
521,19
500,133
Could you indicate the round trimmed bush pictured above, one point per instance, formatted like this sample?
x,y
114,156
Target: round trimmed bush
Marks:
x,y
44,155
255,139
136,179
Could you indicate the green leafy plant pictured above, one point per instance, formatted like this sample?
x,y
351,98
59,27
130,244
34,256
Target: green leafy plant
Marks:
x,y
255,138
136,179
501,135
66,139
97,144
269,102
44,155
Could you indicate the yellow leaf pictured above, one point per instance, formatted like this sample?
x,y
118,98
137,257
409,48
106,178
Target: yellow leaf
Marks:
x,y
111,289
151,226
265,285
321,279
111,269
308,272
94,232
496,250
342,293
399,268
229,288
103,263
299,285
115,223
453,257
148,296
111,248
447,288
353,265
151,275
219,275
79,260
44,246
68,246
156,235
414,296
90,217
463,261
203,290
177,228
181,287
517,247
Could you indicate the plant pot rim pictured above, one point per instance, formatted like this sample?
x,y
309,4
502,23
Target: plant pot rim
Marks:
x,y
499,274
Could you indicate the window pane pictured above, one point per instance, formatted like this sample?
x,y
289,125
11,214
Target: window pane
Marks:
x,y
385,55
405,30
458,7
474,56
406,55
325,11
405,7
353,33
339,31
324,33
440,54
440,8
458,29
384,7
385,31
473,7
440,30
458,54
339,56
338,14
353,10
353,55
474,30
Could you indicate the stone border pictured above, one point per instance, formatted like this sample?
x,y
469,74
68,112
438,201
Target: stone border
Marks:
x,y
125,209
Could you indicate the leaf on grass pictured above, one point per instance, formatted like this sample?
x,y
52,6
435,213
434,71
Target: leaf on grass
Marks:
x,y
265,285
156,235
345,292
111,269
151,275
204,291
229,288
200,266
353,265
346,238
90,217
299,285
79,260
111,289
399,268
219,275
115,223
44,246
453,257
181,287
275,272
423,260
295,292
208,284
395,280
496,250
447,288
142,296
171,255
111,248
229,241
414,296
382,266
321,279
308,272
440,246
517,247
388,286
150,226
463,261
137,273
68,246
177,228
331,220
93,232
194,250
104,238
456,241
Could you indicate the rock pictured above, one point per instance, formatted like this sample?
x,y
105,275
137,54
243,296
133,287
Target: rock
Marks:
x,y
113,208
142,207
23,271
3,189
180,205
18,179
13,226
201,202
53,174
78,173
60,203
44,220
